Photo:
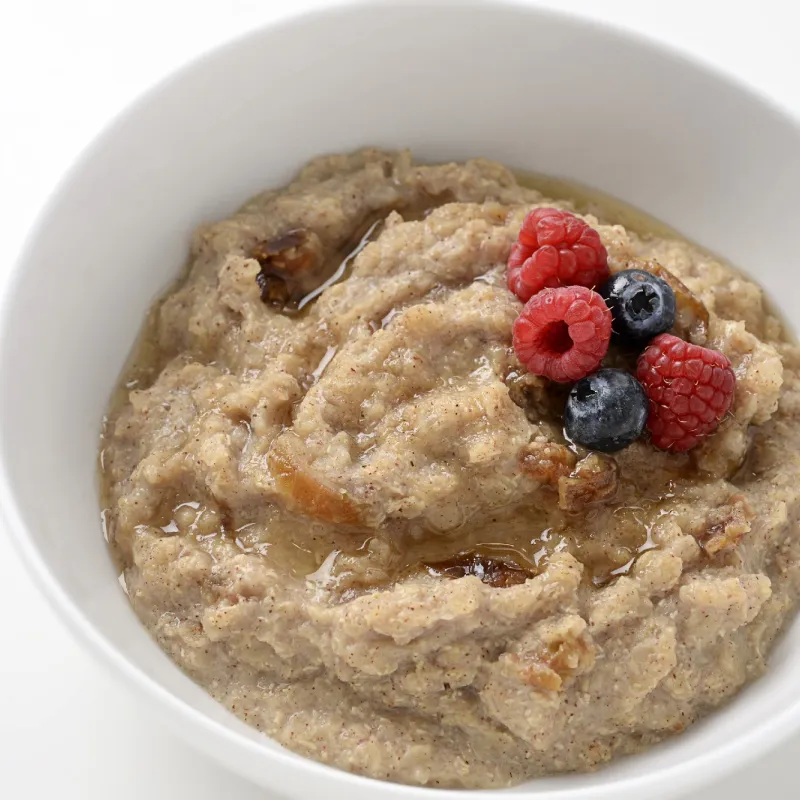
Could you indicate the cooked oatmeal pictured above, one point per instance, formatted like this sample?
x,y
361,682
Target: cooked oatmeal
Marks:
x,y
342,506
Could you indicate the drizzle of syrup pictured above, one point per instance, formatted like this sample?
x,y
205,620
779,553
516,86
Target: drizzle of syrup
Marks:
x,y
279,281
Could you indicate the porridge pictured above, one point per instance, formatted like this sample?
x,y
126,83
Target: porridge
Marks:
x,y
345,507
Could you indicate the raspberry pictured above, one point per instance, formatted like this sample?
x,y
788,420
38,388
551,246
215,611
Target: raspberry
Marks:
x,y
690,389
555,248
563,333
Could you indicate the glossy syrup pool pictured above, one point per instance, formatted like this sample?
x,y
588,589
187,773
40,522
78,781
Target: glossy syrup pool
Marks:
x,y
506,548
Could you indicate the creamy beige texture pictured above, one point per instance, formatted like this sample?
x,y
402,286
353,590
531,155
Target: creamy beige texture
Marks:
x,y
358,525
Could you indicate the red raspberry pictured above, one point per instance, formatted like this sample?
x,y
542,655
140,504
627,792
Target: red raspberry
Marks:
x,y
690,389
555,248
563,333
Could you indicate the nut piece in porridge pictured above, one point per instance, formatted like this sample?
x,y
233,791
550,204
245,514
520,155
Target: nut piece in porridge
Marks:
x,y
346,508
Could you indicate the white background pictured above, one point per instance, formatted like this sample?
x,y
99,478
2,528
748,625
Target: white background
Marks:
x,y
67,729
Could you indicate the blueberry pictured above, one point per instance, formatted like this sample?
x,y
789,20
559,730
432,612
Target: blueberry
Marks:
x,y
605,411
642,305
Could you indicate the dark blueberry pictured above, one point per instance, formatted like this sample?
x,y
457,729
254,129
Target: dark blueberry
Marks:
x,y
605,411
642,305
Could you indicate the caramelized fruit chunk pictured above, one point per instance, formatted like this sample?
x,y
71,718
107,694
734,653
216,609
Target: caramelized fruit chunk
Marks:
x,y
726,526
497,572
307,494
595,479
536,396
560,650
546,462
290,267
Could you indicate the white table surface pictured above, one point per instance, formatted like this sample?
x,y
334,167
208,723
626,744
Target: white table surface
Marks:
x,y
67,729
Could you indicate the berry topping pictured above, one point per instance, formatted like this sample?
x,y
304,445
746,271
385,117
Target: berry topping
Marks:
x,y
690,389
691,315
563,333
555,248
642,305
605,411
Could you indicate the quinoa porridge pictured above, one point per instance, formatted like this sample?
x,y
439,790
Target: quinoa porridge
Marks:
x,y
343,506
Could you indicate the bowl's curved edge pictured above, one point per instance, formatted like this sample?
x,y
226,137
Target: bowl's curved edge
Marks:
x,y
700,771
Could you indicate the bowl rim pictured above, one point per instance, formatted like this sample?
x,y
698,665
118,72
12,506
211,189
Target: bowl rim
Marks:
x,y
701,770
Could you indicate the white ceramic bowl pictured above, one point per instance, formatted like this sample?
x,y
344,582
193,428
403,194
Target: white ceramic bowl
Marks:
x,y
451,80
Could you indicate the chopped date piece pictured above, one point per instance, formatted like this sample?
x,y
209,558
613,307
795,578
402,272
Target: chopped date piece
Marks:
x,y
559,650
498,572
535,673
274,290
546,462
290,267
538,397
595,479
726,526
